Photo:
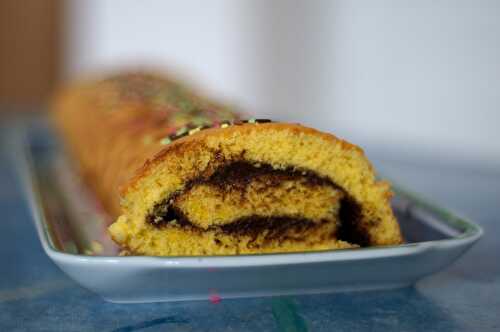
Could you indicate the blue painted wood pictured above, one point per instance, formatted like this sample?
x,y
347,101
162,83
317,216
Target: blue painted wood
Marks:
x,y
36,295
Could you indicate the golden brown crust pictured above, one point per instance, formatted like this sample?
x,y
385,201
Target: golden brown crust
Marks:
x,y
179,146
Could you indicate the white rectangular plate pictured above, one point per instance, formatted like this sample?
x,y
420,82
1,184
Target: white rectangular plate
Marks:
x,y
72,232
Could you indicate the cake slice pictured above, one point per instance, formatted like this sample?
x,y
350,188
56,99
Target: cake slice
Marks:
x,y
217,185
253,188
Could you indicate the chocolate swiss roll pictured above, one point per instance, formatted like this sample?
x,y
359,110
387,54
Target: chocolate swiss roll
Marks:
x,y
183,175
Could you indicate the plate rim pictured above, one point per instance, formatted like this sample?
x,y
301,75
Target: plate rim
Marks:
x,y
471,232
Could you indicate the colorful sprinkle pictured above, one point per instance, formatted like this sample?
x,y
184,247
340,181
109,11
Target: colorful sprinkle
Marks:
x,y
165,141
186,106
195,130
181,131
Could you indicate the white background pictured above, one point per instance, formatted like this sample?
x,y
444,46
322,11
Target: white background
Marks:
x,y
417,77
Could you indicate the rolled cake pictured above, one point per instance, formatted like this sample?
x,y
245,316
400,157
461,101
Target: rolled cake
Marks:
x,y
183,175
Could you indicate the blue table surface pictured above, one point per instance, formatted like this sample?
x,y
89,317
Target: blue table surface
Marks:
x,y
36,295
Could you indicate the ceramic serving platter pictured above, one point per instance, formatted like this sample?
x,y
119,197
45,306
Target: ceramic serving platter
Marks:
x,y
72,231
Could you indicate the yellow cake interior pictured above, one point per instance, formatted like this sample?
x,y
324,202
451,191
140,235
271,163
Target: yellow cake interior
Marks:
x,y
257,188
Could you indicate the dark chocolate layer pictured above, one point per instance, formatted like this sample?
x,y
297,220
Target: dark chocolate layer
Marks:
x,y
271,227
238,175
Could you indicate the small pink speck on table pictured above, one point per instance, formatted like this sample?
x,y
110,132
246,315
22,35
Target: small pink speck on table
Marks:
x,y
215,299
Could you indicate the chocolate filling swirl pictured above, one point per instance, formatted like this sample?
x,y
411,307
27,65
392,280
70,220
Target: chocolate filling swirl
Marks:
x,y
239,175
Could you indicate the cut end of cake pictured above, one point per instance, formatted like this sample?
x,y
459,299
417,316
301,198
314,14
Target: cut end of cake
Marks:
x,y
257,188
